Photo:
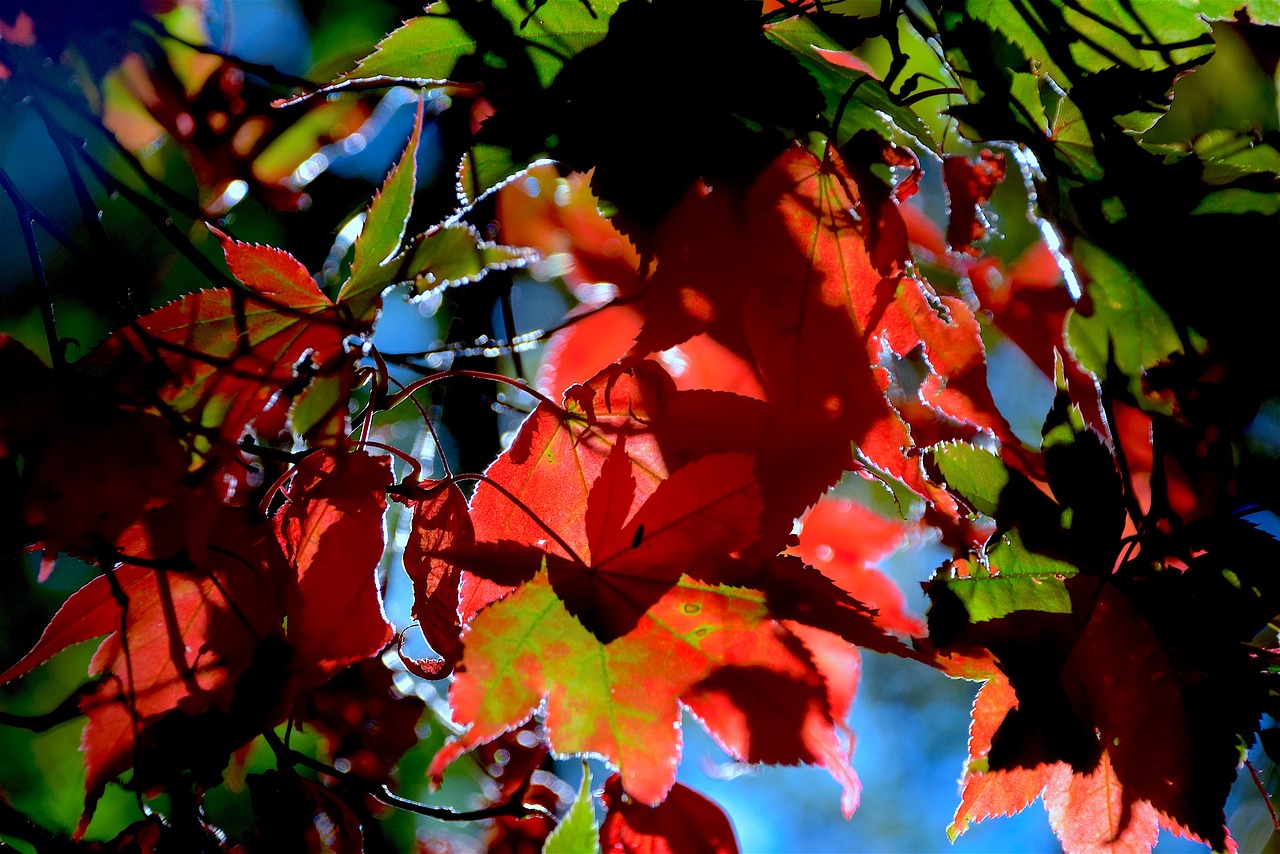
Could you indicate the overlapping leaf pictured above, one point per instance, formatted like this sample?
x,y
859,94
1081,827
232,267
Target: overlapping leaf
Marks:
x,y
449,254
219,357
1089,810
602,538
1123,707
622,699
431,45
440,523
685,821
843,540
180,646
795,278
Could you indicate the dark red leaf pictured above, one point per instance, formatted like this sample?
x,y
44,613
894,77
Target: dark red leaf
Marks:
x,y
440,523
173,655
221,357
685,823
331,532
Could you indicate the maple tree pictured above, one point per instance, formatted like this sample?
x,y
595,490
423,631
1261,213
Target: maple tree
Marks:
x,y
784,288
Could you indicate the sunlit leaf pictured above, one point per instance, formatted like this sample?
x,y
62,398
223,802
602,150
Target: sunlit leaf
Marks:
x,y
577,832
383,230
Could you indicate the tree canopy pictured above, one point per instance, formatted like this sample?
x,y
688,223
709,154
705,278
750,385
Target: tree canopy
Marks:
x,y
666,325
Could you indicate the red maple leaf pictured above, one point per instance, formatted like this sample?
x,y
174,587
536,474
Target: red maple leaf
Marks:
x,y
621,700
602,538
1088,810
789,277
842,539
1118,682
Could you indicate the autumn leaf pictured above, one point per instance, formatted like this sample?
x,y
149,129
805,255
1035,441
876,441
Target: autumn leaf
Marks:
x,y
970,183
180,646
440,523
1128,685
1088,810
843,539
91,464
366,723
787,278
330,530
219,357
621,700
560,217
602,537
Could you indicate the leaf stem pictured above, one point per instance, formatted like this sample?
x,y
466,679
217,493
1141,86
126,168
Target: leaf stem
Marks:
x,y
1266,799
478,375
67,710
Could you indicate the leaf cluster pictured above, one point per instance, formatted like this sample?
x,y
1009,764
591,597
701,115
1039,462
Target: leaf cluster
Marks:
x,y
795,236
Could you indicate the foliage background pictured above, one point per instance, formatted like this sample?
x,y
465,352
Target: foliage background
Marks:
x,y
912,722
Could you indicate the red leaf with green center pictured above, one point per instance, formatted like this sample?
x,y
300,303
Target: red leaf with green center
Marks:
x,y
331,533
622,699
219,357
685,822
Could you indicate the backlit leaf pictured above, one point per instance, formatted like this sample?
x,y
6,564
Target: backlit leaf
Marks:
x,y
787,276
450,255
331,532
219,356
440,522
179,646
577,832
382,232
622,699
1121,324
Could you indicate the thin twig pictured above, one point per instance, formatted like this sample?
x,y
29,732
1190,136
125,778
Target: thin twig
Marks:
x,y
67,710
25,220
379,791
